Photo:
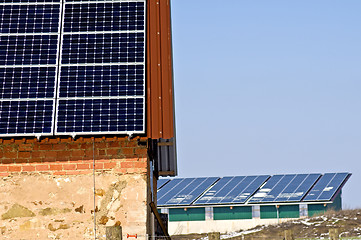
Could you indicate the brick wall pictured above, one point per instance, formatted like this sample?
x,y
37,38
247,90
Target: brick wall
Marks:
x,y
66,156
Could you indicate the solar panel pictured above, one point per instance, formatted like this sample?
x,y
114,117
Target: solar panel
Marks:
x,y
161,183
183,191
327,186
80,65
285,188
232,190
28,61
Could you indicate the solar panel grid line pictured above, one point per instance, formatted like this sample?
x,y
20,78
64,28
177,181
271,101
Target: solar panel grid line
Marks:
x,y
332,187
262,193
223,187
295,191
334,175
285,187
174,181
278,193
244,190
312,179
206,190
195,179
200,189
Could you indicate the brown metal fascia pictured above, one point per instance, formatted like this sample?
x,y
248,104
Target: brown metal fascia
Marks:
x,y
160,110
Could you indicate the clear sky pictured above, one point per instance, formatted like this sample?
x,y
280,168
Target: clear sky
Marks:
x,y
268,87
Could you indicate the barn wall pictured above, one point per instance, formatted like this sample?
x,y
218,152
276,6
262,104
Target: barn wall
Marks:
x,y
46,188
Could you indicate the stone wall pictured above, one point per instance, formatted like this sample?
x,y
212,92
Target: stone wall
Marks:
x,y
47,188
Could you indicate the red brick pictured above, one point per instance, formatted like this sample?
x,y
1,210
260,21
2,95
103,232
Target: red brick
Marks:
x,y
28,168
140,165
4,174
54,140
36,154
98,166
10,154
59,173
69,166
49,154
21,160
141,151
56,167
74,146
112,151
83,166
110,165
15,168
102,152
114,144
7,160
120,170
42,167
127,165
78,172
25,147
45,147
3,168
66,139
24,155
77,153
59,146
35,160
128,151
100,145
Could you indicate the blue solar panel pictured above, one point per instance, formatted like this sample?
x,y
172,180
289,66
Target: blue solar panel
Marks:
x,y
27,82
28,49
285,188
327,187
161,183
100,115
115,16
26,117
97,61
40,18
183,191
103,48
102,81
232,190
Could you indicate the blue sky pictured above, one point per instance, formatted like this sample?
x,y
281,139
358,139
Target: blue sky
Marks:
x,y
268,87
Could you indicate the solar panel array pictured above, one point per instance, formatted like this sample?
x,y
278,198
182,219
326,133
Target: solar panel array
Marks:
x,y
250,189
72,67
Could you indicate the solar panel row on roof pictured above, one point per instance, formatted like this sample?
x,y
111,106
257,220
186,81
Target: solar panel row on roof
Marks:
x,y
251,189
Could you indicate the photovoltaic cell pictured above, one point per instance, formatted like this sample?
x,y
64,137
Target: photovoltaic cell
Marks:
x,y
327,187
26,117
232,190
29,18
115,16
285,188
183,191
102,81
100,115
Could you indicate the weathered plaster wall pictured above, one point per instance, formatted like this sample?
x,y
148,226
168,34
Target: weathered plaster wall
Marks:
x,y
52,196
